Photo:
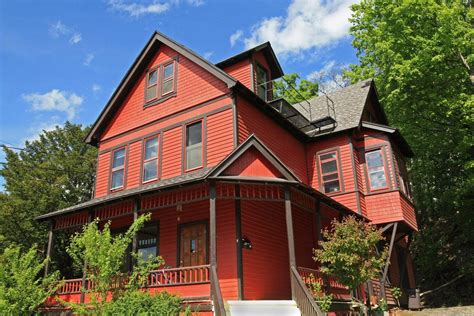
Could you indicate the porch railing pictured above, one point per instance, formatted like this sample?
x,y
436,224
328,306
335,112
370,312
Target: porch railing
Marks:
x,y
302,296
216,294
156,278
310,276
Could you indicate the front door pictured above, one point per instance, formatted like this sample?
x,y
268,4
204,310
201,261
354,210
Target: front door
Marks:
x,y
193,245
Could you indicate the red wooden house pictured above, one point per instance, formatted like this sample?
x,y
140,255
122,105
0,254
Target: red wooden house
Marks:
x,y
238,181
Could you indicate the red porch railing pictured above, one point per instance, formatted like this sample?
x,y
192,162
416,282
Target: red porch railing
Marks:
x,y
156,278
311,275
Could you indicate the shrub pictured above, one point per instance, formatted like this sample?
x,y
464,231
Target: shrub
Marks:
x,y
142,303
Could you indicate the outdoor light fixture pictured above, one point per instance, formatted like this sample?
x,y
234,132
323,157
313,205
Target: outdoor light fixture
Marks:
x,y
246,243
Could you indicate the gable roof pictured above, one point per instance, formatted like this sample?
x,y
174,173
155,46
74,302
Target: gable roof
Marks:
x,y
136,70
253,142
266,49
349,104
394,133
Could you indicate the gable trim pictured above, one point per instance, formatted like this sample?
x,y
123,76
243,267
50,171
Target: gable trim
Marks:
x,y
254,142
143,57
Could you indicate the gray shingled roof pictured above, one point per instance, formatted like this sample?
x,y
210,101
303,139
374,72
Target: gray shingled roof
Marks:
x,y
179,180
349,104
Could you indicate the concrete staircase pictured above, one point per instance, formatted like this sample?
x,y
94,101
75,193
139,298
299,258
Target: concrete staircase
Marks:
x,y
263,308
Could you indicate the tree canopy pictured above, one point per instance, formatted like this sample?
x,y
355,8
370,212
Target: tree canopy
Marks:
x,y
51,173
294,89
421,54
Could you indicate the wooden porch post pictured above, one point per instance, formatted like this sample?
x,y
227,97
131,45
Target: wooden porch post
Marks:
x,y
136,206
238,236
387,263
84,269
289,231
49,250
212,224
404,261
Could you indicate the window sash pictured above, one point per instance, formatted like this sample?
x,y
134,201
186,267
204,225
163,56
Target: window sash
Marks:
x,y
118,171
150,161
194,150
330,180
376,170
168,80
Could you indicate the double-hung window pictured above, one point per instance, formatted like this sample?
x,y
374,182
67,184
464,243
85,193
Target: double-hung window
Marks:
x,y
376,169
118,169
330,176
194,147
262,83
160,81
150,159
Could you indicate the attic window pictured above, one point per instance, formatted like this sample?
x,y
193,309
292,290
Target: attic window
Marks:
x,y
160,82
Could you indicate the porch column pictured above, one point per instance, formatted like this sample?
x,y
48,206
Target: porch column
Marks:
x,y
387,263
49,250
212,224
289,232
136,206
404,262
238,237
84,268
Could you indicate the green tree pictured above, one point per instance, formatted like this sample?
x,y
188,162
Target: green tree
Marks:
x,y
22,289
349,252
294,89
51,173
421,53
103,255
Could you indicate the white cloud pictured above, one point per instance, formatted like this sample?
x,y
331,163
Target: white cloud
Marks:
x,y
138,9
235,37
55,100
96,88
75,38
196,3
208,55
88,60
308,24
57,29
329,77
35,130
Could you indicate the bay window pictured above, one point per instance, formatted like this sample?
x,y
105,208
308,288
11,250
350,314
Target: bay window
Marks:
x,y
376,169
329,171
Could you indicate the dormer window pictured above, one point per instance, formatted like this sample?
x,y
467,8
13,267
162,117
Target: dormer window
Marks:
x,y
160,82
262,82
118,169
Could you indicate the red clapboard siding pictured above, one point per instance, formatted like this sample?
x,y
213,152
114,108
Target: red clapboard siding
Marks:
x,y
194,85
265,266
165,123
384,208
102,179
134,158
290,150
305,235
408,211
172,152
220,136
252,163
242,72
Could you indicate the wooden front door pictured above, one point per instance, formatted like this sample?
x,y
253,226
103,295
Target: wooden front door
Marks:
x,y
193,245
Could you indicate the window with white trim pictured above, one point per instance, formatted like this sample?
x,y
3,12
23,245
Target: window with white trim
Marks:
x,y
329,170
150,159
194,147
376,169
118,169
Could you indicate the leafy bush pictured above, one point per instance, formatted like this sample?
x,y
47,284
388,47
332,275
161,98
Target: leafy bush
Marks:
x,y
349,252
22,289
396,292
324,300
143,303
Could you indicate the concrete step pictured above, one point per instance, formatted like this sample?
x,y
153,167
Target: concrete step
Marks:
x,y
263,308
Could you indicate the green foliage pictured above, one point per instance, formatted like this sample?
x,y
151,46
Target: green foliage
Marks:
x,y
143,304
51,173
22,289
104,255
349,252
293,89
421,53
324,300
397,293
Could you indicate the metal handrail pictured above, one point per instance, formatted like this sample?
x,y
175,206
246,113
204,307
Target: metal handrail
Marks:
x,y
304,300
216,294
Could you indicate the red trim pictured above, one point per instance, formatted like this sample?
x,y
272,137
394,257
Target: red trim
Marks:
x,y
144,161
380,149
123,167
337,172
185,161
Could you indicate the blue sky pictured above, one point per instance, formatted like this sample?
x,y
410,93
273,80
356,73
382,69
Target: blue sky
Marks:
x,y
61,60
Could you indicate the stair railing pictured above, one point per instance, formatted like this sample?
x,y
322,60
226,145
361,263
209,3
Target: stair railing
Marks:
x,y
216,294
304,300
